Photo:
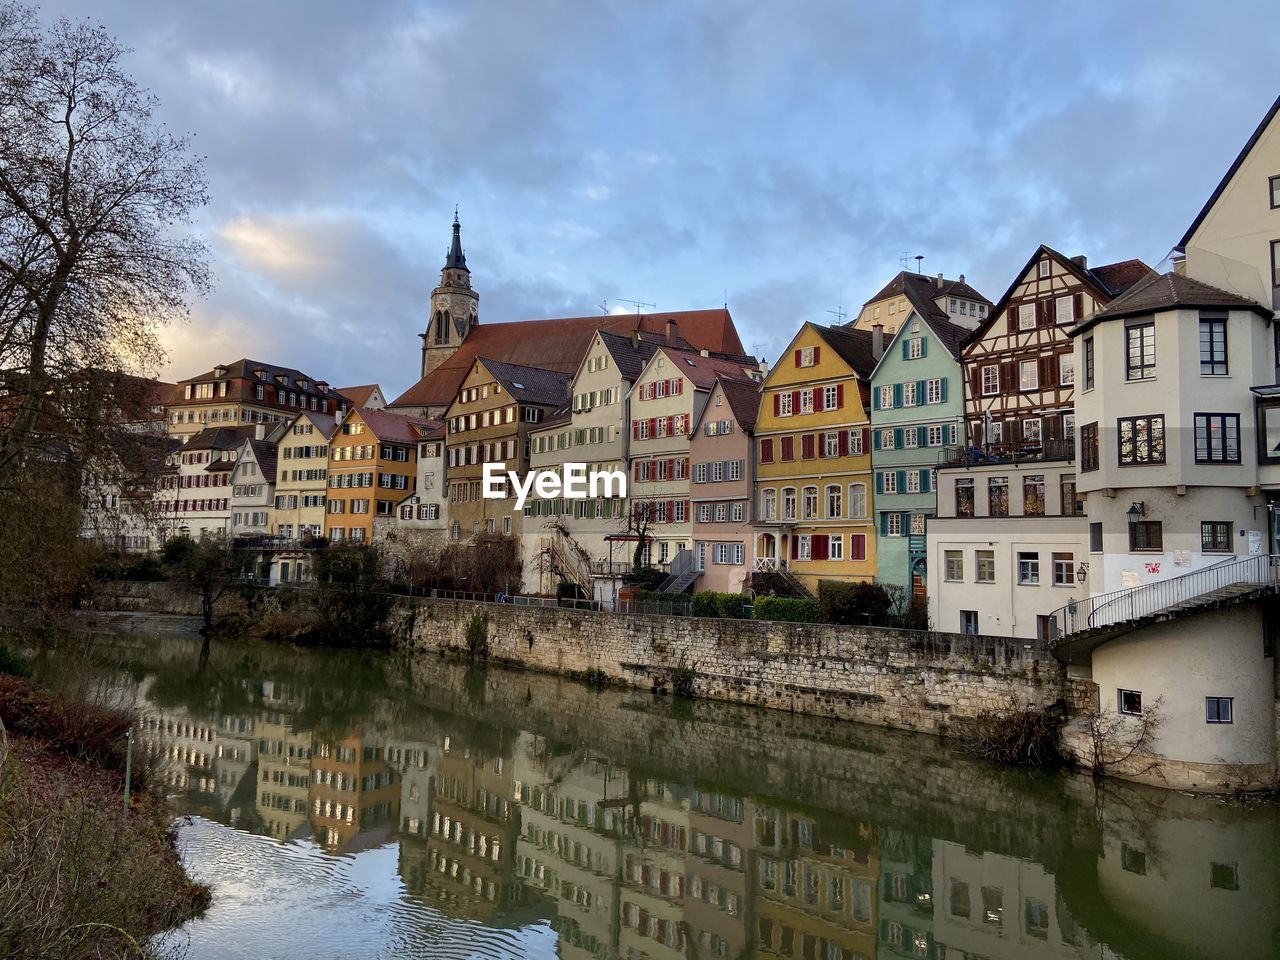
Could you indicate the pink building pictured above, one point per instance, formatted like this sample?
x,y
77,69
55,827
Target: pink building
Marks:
x,y
721,455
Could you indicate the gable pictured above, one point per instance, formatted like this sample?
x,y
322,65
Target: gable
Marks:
x,y
792,368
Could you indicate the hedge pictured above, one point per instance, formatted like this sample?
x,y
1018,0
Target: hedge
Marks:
x,y
789,609
725,606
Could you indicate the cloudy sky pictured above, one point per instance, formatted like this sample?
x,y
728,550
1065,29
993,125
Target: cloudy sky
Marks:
x,y
785,156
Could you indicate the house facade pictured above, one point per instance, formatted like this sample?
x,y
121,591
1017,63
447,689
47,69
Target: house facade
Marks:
x,y
195,496
302,477
917,411
247,392
722,474
954,301
813,496
372,464
253,483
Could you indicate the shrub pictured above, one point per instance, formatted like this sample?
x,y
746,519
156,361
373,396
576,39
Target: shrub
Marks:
x,y
13,664
787,609
682,678
854,603
647,578
477,636
727,606
1024,738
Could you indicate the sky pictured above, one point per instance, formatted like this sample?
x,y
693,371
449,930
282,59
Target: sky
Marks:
x,y
782,158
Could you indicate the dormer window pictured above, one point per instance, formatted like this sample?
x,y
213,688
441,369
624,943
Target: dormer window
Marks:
x,y
281,379
219,371
260,373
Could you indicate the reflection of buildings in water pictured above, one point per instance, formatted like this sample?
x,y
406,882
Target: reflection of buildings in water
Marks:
x,y
353,795
906,896
181,750
990,905
653,862
573,812
465,861
284,776
411,761
816,894
717,880
236,753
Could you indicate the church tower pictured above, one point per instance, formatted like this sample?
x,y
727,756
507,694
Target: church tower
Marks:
x,y
455,307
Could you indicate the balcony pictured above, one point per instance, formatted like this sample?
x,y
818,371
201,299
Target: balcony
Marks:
x,y
996,453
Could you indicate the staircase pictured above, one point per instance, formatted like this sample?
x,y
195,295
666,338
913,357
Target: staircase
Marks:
x,y
566,564
1211,586
683,571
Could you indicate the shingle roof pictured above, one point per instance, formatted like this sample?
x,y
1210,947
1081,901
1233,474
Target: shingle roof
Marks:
x,y
1169,291
326,423
264,452
853,346
1231,172
392,426
704,371
530,384
360,395
220,438
744,400
630,356
1119,277
560,344
922,290
244,368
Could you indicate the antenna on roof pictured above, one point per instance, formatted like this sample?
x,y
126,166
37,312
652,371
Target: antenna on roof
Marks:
x,y
906,255
637,304
839,313
604,306
919,261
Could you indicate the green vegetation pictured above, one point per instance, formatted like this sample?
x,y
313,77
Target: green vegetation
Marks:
x,y
854,603
682,681
13,664
477,636
787,609
727,606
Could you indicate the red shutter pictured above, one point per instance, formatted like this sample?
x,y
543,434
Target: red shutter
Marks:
x,y
680,387
1078,302
844,443
839,396
797,358
671,469
817,356
635,429
820,548
777,404
686,468
817,399
857,547
806,446
822,445
636,468
795,547
766,450
795,401
653,427
671,511
866,439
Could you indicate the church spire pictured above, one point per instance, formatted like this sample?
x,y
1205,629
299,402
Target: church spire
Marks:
x,y
456,260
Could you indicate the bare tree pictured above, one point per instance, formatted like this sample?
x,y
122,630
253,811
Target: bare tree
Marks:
x,y
95,256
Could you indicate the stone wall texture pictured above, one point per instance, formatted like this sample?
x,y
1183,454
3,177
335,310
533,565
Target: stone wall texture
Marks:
x,y
892,678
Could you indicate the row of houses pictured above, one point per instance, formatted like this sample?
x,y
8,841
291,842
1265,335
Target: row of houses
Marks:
x,y
1093,429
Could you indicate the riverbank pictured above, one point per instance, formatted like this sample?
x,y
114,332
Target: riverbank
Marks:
x,y
77,878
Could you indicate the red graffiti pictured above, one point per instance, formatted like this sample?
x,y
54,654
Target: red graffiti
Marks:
x,y
1153,568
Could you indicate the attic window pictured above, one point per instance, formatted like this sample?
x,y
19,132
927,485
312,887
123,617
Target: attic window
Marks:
x,y
1044,268
517,385
260,374
219,371
689,362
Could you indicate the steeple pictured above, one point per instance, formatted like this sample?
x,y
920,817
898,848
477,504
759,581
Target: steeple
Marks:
x,y
456,259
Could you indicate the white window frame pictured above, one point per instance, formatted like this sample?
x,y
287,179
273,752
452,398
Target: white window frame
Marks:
x,y
909,393
1023,366
933,435
830,397
886,397
1044,269
915,346
857,495
835,546
1026,316
890,482
1070,312
933,390
1066,370
991,380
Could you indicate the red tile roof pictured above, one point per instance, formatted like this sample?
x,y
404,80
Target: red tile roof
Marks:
x,y
393,426
360,395
704,371
560,344
744,401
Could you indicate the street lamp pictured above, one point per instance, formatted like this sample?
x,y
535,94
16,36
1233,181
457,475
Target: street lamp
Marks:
x,y
1137,510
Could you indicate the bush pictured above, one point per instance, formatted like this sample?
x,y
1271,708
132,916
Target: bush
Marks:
x,y
647,578
13,664
477,636
567,590
1023,738
726,606
787,609
854,603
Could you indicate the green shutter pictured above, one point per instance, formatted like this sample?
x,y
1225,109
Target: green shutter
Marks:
x,y
924,347
922,436
902,481
897,438
944,389
875,439
905,349
897,394
875,398
879,483
925,485
884,524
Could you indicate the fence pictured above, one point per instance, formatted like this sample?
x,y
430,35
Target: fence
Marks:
x,y
1135,603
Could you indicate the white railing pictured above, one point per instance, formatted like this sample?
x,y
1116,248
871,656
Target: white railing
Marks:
x,y
1147,600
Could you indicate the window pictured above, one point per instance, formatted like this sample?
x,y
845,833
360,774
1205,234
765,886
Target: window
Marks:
x,y
1064,572
806,401
1032,431
1213,346
1028,374
888,439
835,547
1028,568
915,346
984,566
804,547
1140,351
953,564
893,524
1066,369
933,390
788,503
857,500
1033,495
998,496
990,380
833,502
964,497
1088,362
933,435
1064,309
830,398
886,397
910,438
1026,316
784,404
968,626
769,505
1275,263
1095,537
1071,506
810,502
1217,710
1141,439
1146,535
1088,447
1215,536
1217,437
1273,189
1045,268
909,393
806,357
1133,860
1129,701
913,482
889,481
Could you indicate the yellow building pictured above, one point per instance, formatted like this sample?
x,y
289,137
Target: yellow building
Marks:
x,y
372,462
302,471
813,459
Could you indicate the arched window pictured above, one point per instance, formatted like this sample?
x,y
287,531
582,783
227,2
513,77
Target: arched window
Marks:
x,y
833,502
769,504
441,328
788,503
810,503
857,500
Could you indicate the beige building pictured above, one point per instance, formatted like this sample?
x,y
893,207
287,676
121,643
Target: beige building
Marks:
x,y
247,392
302,458
253,482
932,296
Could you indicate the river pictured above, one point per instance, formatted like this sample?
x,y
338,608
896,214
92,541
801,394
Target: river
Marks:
x,y
353,804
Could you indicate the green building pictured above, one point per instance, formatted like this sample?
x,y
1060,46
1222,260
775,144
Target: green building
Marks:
x,y
917,410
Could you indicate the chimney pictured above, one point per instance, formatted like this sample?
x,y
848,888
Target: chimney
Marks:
x,y
940,278
1081,261
962,278
671,330
635,339
877,341
259,431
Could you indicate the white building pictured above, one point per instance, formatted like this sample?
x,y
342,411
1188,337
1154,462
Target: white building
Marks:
x,y
253,484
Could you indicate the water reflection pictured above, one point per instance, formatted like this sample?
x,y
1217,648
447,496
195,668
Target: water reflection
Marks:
x,y
619,827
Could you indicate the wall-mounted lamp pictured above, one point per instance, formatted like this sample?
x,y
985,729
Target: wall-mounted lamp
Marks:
x,y
1137,510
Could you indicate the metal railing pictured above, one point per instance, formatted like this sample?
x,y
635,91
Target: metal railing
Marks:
x,y
1135,603
976,456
